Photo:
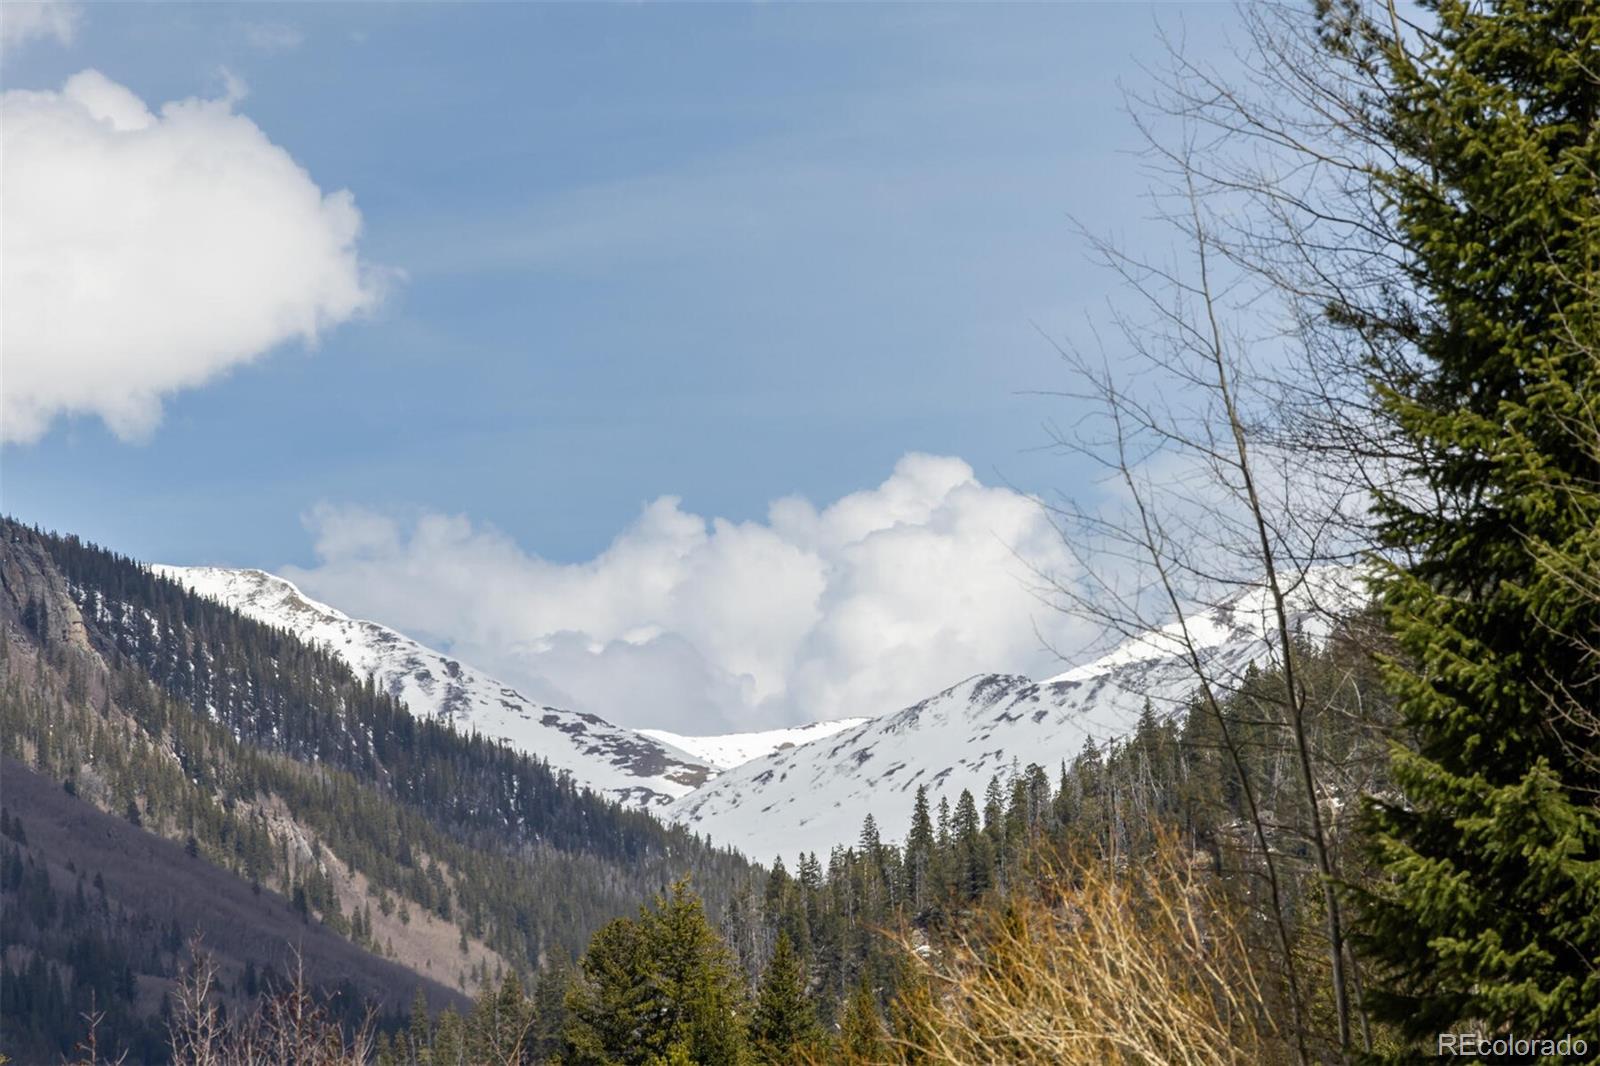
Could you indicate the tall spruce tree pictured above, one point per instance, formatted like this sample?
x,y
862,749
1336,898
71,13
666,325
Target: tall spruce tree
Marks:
x,y
972,856
608,1009
657,988
783,1024
697,1000
919,853
1489,910
417,1042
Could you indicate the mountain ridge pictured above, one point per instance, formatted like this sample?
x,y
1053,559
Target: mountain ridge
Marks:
x,y
813,797
631,767
810,786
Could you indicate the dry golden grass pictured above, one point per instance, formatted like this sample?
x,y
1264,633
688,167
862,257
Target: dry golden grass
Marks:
x,y
1145,965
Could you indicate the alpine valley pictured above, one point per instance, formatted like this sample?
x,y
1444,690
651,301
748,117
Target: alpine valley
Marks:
x,y
804,789
1323,457
207,755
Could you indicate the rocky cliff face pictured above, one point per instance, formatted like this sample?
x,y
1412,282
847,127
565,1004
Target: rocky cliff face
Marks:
x,y
34,595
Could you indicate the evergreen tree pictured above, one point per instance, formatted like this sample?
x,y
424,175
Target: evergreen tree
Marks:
x,y
501,1026
385,1051
450,1040
971,850
549,1009
664,984
784,1021
696,997
1490,907
919,852
418,1039
861,1033
870,843
994,809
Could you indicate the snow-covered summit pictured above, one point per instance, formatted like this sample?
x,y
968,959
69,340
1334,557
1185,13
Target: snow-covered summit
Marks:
x,y
807,789
1248,615
814,796
627,765
727,750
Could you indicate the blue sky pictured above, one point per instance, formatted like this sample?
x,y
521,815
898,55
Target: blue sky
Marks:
x,y
722,253
715,251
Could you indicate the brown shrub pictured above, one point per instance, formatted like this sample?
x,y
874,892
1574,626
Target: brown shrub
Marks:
x,y
1148,964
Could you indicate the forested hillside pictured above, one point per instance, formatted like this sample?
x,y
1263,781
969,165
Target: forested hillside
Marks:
x,y
620,764
468,864
119,907
850,957
268,759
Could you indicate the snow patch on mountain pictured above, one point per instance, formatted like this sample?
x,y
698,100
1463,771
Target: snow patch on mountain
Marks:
x,y
814,796
727,750
633,768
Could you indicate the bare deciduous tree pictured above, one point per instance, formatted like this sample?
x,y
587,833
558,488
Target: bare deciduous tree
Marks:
x,y
290,1027
1233,417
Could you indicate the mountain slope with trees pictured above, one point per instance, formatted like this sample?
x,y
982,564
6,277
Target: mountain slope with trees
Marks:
x,y
268,759
1142,844
622,764
97,912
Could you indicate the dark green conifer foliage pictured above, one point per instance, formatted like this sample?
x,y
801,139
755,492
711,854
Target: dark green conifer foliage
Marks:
x,y
972,852
549,1009
1490,910
607,1008
697,998
501,1027
861,1032
661,986
784,1021
920,845
449,1040
418,1038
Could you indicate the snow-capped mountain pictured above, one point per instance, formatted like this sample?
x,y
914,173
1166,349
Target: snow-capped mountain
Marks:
x,y
727,750
629,766
814,796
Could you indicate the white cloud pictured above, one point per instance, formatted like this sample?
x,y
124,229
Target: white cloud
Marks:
x,y
21,22
860,607
147,252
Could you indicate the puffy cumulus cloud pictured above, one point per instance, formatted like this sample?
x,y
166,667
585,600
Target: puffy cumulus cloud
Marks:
x,y
147,252
859,607
22,21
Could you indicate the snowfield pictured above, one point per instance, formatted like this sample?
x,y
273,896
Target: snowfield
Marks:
x,y
788,791
814,796
725,751
632,768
